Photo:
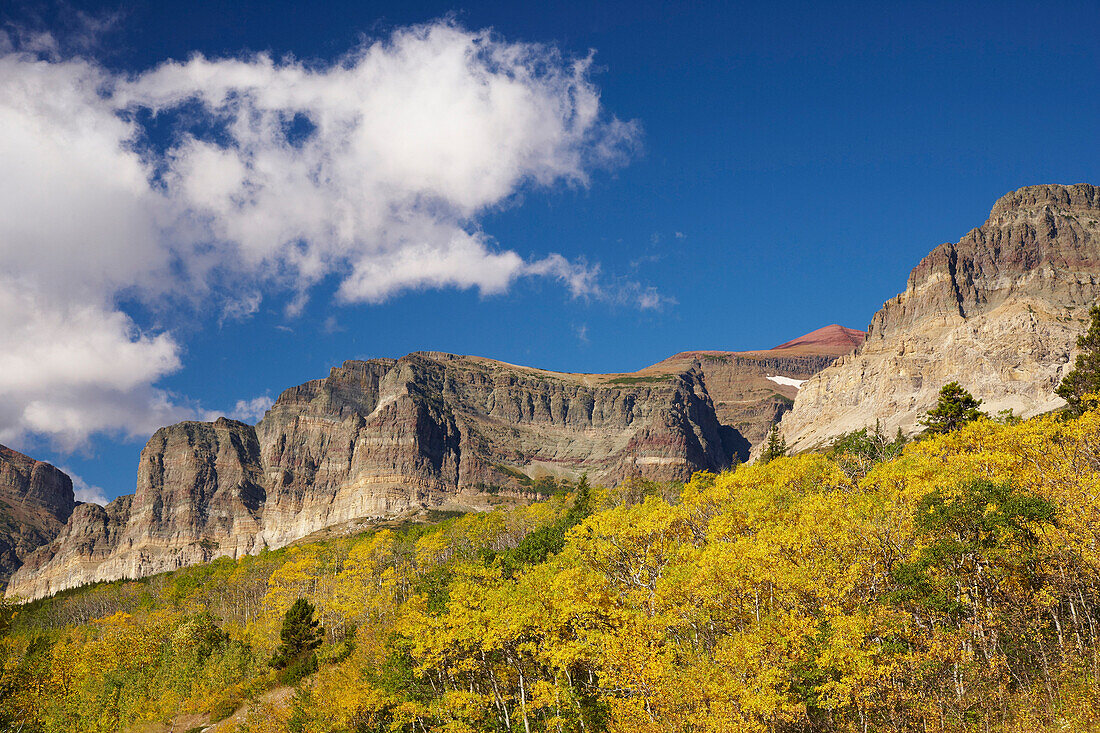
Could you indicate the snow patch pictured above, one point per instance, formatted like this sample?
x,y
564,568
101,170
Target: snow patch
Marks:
x,y
788,382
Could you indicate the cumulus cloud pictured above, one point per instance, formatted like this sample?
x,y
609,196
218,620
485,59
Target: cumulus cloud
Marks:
x,y
70,367
262,175
375,167
78,228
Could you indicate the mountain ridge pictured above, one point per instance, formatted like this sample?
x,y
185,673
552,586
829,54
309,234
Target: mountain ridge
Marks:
x,y
36,500
385,437
998,311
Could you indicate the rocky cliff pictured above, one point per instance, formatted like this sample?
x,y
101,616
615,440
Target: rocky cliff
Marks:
x,y
36,500
381,438
999,311
752,390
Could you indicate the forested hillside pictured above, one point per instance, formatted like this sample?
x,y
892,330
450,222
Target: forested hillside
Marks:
x,y
953,587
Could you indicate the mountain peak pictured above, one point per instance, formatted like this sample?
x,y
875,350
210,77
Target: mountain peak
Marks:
x,y
829,339
1078,195
999,311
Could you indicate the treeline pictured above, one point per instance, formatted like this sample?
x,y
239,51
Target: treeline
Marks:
x,y
951,584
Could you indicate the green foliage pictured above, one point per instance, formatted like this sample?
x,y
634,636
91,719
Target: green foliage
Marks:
x,y
542,543
984,515
775,447
981,566
784,399
859,451
514,473
543,485
435,516
299,639
955,408
548,485
435,587
651,379
1085,376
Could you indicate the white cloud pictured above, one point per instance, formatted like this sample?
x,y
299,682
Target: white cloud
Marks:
x,y
85,492
250,411
78,228
583,281
377,167
332,326
68,369
241,307
647,298
374,169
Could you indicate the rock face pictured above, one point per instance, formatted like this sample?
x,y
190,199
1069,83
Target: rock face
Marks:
x,y
36,500
752,390
999,312
380,438
199,495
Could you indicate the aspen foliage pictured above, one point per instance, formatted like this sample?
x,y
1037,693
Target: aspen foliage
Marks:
x,y
949,584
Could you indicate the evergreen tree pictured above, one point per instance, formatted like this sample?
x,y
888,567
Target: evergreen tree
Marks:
x,y
955,408
776,447
300,637
1085,377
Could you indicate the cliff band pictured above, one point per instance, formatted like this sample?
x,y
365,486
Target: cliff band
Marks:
x,y
382,438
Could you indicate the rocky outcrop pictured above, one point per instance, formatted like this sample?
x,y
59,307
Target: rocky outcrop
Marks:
x,y
381,438
36,500
752,390
199,496
77,555
999,312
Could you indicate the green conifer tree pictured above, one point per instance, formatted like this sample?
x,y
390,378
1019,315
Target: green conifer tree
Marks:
x,y
300,637
955,408
1085,377
776,446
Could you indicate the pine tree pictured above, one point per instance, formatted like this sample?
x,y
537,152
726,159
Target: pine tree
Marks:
x,y
955,408
1085,377
300,637
776,447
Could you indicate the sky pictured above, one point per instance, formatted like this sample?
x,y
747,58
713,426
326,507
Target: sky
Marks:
x,y
205,203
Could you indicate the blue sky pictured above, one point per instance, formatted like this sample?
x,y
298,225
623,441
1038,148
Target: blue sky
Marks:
x,y
774,168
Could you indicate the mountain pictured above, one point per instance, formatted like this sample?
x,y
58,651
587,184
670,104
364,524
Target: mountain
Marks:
x,y
36,500
751,390
834,339
386,438
999,311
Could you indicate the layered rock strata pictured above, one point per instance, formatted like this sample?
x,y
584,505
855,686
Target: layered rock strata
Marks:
x,y
383,437
752,390
999,311
36,500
